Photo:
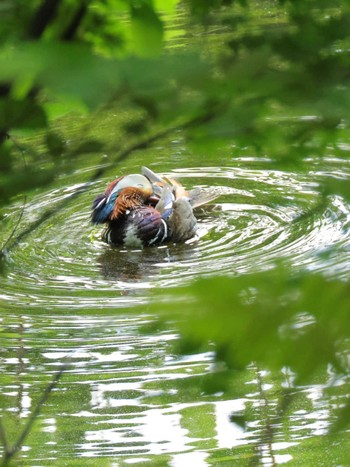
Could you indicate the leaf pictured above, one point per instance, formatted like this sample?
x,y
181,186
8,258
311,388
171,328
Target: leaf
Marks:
x,y
147,29
55,143
272,318
24,113
166,6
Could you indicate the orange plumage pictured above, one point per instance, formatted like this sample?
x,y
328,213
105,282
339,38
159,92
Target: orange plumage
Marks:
x,y
129,198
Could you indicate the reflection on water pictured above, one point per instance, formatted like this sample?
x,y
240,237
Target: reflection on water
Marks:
x,y
141,266
125,396
263,215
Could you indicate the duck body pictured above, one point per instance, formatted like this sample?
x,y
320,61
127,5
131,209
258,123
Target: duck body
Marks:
x,y
145,210
137,227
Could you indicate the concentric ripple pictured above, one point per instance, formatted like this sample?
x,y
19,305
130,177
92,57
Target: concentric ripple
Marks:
x,y
263,215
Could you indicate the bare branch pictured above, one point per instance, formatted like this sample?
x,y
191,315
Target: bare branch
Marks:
x,y
9,452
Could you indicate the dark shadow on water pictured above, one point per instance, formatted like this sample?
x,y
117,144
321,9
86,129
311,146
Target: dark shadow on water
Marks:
x,y
127,265
120,264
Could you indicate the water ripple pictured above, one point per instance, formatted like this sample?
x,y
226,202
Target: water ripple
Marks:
x,y
262,216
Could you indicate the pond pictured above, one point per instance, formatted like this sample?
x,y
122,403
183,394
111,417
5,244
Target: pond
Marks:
x,y
81,316
126,397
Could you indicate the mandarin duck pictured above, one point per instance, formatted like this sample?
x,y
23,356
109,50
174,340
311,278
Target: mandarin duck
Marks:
x,y
145,209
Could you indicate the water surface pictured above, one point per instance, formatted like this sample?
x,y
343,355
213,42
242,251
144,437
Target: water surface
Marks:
x,y
126,396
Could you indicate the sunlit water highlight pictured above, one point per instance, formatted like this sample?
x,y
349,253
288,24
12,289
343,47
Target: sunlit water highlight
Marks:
x,y
262,216
69,297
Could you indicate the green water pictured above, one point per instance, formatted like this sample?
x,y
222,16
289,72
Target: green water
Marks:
x,y
126,397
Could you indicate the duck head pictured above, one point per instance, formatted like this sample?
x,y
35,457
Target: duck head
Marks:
x,y
121,194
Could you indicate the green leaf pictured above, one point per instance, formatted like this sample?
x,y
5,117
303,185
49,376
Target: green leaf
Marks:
x,y
23,113
147,29
166,6
273,318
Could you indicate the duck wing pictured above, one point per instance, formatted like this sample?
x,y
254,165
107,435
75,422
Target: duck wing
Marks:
x,y
182,223
178,215
199,196
166,201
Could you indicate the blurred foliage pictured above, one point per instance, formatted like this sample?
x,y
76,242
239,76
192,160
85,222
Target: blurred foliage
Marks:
x,y
275,77
273,320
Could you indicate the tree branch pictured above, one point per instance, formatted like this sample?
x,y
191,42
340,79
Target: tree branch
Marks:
x,y
44,15
9,452
69,33
123,154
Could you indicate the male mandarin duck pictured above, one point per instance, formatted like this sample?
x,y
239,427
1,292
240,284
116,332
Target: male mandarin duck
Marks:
x,y
144,210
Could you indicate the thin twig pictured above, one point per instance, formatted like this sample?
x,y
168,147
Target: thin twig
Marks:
x,y
269,430
123,154
3,437
20,149
9,452
3,248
